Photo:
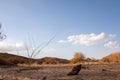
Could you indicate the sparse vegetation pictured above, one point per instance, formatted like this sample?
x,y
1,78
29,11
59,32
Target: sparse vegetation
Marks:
x,y
52,60
16,60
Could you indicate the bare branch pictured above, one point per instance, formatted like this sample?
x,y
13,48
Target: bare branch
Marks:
x,y
2,36
39,50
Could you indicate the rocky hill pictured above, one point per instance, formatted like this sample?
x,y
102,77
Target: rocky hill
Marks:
x,y
15,59
113,57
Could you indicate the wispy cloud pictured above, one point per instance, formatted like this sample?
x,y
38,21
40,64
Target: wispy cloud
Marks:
x,y
49,50
112,44
87,39
11,47
62,41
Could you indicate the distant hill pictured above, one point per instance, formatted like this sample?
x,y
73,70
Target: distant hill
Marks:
x,y
15,59
7,55
113,57
53,60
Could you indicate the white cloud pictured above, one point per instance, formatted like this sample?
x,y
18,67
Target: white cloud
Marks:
x,y
87,39
11,47
112,44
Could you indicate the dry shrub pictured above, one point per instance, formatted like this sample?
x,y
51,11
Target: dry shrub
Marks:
x,y
77,58
33,50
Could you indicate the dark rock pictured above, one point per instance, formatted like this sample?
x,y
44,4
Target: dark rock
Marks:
x,y
104,70
44,78
75,70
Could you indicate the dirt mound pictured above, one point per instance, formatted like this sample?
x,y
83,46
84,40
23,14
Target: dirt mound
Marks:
x,y
113,57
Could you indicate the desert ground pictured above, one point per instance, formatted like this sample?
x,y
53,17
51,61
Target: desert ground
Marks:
x,y
59,72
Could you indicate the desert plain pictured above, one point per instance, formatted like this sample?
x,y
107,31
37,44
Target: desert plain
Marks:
x,y
101,71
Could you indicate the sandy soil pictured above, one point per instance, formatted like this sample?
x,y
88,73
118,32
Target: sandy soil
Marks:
x,y
93,72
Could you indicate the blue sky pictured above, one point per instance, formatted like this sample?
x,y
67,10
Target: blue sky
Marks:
x,y
88,26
